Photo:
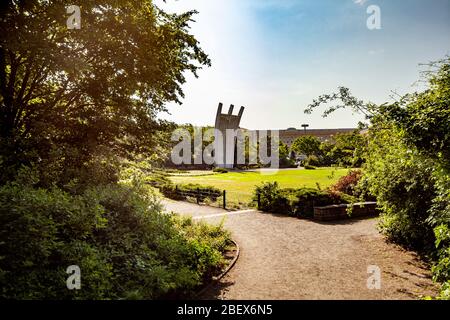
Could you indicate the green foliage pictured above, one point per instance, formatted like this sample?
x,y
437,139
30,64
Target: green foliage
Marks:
x,y
190,190
284,156
347,101
42,233
271,198
408,165
347,184
312,161
73,106
327,156
125,246
307,145
346,150
296,202
73,101
208,243
424,117
304,200
445,291
206,133
158,180
441,269
397,181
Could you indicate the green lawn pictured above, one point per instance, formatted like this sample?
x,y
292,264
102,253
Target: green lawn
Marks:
x,y
240,185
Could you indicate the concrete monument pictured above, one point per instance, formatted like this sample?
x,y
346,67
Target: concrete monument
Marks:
x,y
225,144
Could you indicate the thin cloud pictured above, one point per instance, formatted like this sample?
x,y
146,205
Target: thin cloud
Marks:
x,y
360,2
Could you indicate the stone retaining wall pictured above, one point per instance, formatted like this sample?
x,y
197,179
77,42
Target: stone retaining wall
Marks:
x,y
339,212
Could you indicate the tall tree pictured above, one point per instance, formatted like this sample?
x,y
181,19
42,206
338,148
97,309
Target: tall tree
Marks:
x,y
97,89
307,145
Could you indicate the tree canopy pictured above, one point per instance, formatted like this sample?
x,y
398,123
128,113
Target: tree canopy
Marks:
x,y
307,145
76,94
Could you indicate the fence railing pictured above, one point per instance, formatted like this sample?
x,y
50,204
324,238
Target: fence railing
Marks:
x,y
200,195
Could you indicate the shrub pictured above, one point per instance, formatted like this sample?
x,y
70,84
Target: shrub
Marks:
x,y
441,266
220,170
441,269
171,191
158,180
404,186
125,246
191,190
42,233
348,183
305,199
209,239
308,167
296,202
412,190
313,161
271,198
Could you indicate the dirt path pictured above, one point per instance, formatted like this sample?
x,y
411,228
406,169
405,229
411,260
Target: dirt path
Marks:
x,y
288,258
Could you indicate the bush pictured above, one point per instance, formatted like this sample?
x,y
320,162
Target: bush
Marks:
x,y
158,180
220,170
42,233
170,191
305,199
347,184
312,161
191,190
308,167
295,202
404,186
412,190
119,237
271,198
441,269
441,266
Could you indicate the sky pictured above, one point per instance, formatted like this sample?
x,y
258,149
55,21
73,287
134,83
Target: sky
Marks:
x,y
275,56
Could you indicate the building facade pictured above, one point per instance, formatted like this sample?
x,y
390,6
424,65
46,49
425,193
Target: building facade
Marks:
x,y
289,135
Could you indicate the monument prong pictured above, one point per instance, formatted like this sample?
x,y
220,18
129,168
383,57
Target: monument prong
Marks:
x,y
241,112
219,111
224,122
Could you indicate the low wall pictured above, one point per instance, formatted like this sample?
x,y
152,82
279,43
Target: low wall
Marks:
x,y
339,212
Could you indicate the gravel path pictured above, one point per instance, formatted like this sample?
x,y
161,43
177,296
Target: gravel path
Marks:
x,y
288,258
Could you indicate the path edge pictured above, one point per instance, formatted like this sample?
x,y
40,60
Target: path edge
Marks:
x,y
215,279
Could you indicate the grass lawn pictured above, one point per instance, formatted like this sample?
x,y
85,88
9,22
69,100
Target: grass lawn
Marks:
x,y
240,185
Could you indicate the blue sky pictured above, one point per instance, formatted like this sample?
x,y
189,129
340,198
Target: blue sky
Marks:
x,y
275,56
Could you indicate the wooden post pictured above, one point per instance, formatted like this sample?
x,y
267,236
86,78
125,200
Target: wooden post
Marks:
x,y
198,195
224,199
259,200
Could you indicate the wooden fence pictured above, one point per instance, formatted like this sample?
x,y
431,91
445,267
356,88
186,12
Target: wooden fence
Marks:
x,y
200,196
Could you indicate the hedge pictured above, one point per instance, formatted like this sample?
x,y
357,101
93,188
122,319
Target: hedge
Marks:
x,y
296,202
